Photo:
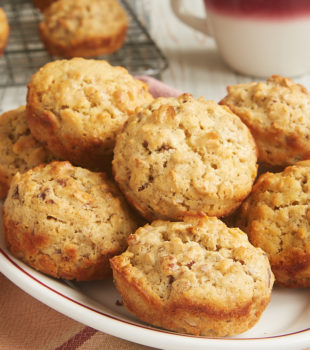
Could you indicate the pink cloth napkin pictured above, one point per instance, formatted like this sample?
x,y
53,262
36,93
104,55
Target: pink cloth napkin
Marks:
x,y
158,88
27,324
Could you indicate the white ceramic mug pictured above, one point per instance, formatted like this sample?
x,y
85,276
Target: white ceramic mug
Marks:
x,y
256,37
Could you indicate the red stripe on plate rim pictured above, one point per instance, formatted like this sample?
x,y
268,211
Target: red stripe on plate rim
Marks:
x,y
132,323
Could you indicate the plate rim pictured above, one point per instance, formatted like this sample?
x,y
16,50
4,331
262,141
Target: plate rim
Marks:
x,y
147,335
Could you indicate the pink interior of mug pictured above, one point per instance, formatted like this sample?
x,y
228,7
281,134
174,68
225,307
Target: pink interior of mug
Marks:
x,y
273,9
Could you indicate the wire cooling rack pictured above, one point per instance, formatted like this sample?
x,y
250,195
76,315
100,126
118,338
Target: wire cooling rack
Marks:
x,y
25,53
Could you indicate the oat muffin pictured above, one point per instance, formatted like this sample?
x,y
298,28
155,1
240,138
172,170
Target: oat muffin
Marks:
x,y
19,150
4,30
66,221
181,155
278,115
276,217
78,106
197,276
42,4
83,28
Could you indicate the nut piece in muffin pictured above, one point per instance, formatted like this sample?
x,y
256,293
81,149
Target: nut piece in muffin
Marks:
x,y
66,221
276,217
78,106
278,114
19,150
196,276
4,30
181,155
83,28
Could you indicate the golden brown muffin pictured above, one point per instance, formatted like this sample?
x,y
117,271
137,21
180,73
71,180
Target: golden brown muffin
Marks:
x,y
4,30
42,4
181,155
19,150
276,217
78,106
198,277
277,113
66,221
83,28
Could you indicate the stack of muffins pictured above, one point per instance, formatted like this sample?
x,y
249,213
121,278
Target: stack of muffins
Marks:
x,y
100,177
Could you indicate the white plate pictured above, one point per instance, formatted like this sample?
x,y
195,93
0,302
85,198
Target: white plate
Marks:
x,y
284,325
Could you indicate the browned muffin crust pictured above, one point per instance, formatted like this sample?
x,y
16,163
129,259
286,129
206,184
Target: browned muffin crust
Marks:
x,y
42,4
4,31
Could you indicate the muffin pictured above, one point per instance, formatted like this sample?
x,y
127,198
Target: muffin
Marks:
x,y
276,217
42,4
196,276
78,106
182,155
4,31
277,113
19,150
83,28
66,221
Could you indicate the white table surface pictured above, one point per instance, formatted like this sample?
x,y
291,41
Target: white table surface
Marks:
x,y
194,63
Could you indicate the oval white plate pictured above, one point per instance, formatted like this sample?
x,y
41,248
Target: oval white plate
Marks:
x,y
284,325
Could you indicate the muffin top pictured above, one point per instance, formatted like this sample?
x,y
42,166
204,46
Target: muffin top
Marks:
x,y
197,261
78,106
181,155
277,113
71,21
19,150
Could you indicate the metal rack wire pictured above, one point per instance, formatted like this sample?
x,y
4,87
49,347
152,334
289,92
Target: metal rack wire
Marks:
x,y
25,53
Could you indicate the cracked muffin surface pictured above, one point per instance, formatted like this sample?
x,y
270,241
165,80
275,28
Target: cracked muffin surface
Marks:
x,y
195,276
78,106
180,155
276,217
277,113
83,28
66,221
19,150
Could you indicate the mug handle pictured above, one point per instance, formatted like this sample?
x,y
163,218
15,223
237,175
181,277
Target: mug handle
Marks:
x,y
193,21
